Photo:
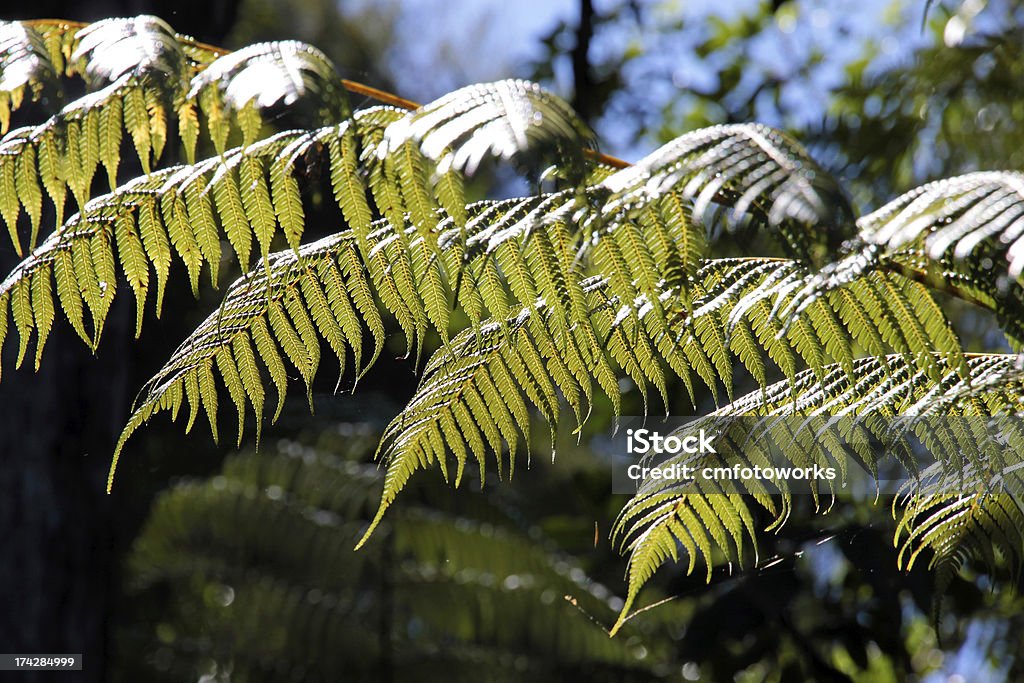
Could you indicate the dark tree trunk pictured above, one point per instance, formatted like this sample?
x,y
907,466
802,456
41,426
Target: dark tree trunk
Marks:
x,y
584,101
56,431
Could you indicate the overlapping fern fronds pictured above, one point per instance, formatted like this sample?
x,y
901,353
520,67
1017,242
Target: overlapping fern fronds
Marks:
x,y
183,211
246,194
145,84
951,234
321,292
348,284
974,473
608,277
476,392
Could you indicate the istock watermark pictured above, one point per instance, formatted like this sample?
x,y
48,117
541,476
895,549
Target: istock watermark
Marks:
x,y
643,441
814,455
647,442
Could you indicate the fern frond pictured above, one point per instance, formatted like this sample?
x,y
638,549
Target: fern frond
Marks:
x,y
899,313
331,289
993,383
975,516
751,168
653,522
334,289
38,54
504,120
134,68
975,215
190,207
968,279
234,89
971,511
947,235
107,50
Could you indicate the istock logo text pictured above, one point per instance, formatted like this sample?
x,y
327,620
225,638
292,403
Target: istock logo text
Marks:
x,y
645,441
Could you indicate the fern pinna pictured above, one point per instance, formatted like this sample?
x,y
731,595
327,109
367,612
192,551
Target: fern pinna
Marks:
x,y
605,272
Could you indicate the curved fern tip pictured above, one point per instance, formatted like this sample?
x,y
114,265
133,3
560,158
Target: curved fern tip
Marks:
x,y
373,526
113,468
121,441
622,618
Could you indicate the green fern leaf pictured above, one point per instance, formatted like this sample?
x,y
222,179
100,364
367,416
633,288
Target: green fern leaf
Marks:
x,y
251,379
286,197
42,310
26,66
70,296
29,193
132,255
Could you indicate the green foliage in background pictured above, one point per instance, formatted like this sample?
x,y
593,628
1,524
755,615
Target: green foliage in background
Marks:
x,y
253,577
601,276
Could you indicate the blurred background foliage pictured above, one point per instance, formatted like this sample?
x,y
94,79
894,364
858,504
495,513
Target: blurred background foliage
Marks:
x,y
214,565
250,575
